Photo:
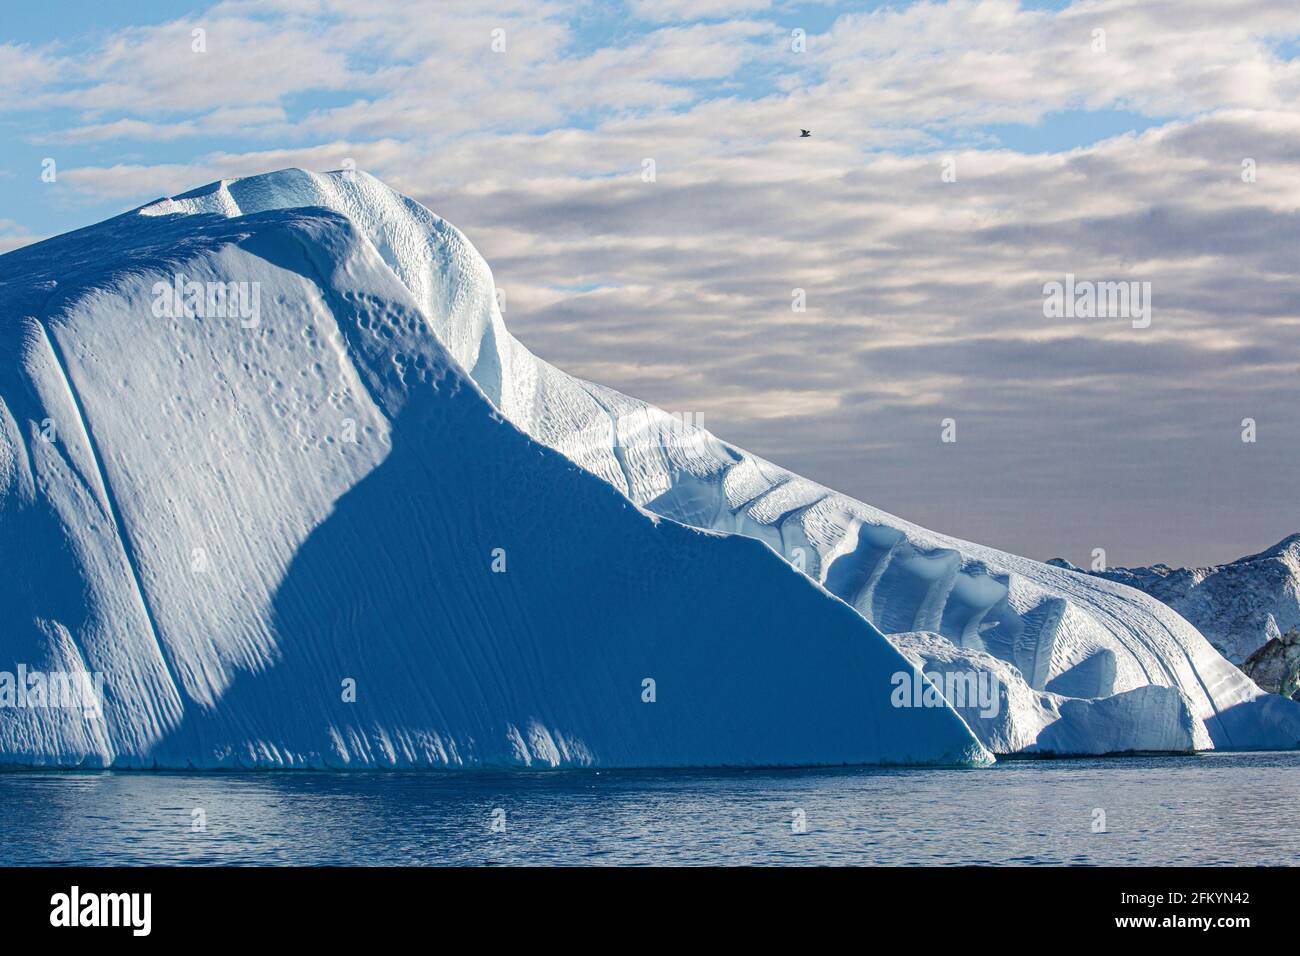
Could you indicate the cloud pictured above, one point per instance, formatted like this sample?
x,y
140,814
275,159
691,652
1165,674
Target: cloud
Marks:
x,y
126,181
434,72
924,296
26,70
925,301
663,11
13,236
225,121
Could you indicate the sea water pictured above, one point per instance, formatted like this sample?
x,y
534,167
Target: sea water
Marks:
x,y
1204,809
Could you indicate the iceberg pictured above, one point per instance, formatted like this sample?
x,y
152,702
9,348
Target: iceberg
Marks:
x,y
1239,606
336,515
246,484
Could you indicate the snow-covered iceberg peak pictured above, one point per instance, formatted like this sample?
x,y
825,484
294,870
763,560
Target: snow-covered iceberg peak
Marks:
x,y
1068,637
248,487
442,271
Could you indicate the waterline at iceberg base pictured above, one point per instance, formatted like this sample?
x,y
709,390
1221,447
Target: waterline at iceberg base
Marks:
x,y
361,526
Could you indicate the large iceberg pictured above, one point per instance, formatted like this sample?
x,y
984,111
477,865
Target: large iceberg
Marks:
x,y
370,528
300,535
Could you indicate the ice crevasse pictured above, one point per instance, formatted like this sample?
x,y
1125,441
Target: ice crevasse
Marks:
x,y
371,529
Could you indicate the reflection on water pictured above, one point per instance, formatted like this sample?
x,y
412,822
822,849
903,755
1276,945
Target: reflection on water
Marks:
x,y
1213,808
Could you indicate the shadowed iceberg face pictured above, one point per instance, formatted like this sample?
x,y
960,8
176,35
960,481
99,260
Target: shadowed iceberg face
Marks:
x,y
488,610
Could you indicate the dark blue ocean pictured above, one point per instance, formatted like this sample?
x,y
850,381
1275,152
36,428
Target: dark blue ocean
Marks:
x,y
1206,809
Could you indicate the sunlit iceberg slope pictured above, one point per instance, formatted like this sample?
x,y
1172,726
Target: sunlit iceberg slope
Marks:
x,y
312,539
1069,640
1239,606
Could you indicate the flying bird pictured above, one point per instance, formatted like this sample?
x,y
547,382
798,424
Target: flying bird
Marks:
x,y
804,133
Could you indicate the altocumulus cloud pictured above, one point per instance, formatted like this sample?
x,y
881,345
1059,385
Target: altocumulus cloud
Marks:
x,y
922,220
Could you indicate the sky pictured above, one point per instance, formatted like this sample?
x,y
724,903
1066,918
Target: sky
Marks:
x,y
964,156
